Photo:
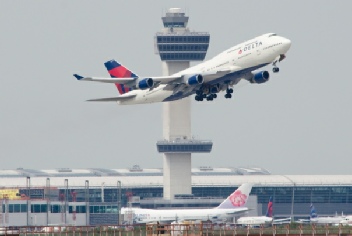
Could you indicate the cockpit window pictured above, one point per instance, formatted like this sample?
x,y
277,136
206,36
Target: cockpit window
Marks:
x,y
270,35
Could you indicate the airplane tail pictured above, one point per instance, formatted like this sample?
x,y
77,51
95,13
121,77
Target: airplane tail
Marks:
x,y
238,198
269,211
116,70
313,213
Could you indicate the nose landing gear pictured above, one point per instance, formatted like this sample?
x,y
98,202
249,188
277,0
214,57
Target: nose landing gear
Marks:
x,y
275,68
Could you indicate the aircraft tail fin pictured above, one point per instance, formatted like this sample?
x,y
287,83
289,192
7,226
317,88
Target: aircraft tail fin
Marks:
x,y
313,213
269,211
116,70
238,198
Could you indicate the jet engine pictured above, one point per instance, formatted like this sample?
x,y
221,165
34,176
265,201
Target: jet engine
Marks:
x,y
194,79
260,77
145,83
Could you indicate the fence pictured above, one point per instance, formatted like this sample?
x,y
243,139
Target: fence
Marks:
x,y
178,230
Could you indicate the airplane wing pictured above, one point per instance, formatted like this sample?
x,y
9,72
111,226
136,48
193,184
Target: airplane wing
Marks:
x,y
281,221
237,212
159,79
112,99
104,80
302,221
211,75
172,79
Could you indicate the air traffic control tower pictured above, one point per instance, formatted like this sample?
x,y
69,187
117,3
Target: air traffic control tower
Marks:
x,y
177,47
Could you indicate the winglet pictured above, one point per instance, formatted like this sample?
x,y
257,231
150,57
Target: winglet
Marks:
x,y
78,77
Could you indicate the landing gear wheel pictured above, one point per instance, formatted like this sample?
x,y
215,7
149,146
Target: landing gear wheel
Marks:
x,y
215,95
229,90
276,69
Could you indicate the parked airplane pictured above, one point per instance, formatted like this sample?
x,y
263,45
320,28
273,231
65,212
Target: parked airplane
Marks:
x,y
347,220
315,219
234,204
259,220
205,80
263,220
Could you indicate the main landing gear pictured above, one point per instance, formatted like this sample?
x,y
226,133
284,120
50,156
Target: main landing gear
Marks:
x,y
209,97
228,93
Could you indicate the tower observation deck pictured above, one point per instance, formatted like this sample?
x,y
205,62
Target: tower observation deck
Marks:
x,y
177,47
177,43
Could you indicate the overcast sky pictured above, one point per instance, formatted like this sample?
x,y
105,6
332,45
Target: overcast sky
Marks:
x,y
297,123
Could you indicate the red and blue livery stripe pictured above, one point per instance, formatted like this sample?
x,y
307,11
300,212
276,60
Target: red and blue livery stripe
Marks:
x,y
116,70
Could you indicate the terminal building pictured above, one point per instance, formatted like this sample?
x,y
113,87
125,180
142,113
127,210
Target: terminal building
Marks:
x,y
92,196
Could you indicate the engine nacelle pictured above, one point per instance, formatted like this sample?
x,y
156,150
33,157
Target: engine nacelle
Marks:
x,y
260,77
145,83
194,79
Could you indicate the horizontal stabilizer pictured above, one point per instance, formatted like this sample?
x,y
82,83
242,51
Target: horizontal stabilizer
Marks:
x,y
112,99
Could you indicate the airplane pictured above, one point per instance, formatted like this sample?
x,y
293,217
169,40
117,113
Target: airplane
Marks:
x,y
206,80
315,219
259,220
262,220
347,221
233,205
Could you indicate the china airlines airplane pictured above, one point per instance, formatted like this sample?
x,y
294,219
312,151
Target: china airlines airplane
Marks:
x,y
234,204
205,80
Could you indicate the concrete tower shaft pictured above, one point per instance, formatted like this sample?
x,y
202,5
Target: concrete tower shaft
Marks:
x,y
177,46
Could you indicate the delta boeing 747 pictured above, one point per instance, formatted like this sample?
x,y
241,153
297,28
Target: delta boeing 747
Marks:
x,y
205,80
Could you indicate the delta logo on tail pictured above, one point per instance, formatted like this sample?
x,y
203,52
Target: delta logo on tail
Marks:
x,y
269,211
116,70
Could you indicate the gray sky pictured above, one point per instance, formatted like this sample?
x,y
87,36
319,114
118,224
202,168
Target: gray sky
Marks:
x,y
297,123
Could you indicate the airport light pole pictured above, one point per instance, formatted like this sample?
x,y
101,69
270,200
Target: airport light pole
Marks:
x,y
28,198
66,200
293,200
119,201
47,196
87,201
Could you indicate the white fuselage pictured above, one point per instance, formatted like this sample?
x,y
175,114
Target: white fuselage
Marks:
x,y
254,53
150,215
347,220
327,220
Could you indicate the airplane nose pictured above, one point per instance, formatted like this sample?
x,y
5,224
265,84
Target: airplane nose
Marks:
x,y
287,43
